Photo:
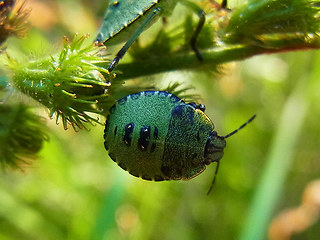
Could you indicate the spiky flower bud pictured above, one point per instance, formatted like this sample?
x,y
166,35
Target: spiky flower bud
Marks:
x,y
256,18
13,19
71,85
22,134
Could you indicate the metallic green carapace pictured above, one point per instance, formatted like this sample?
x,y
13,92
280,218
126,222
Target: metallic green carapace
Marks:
x,y
157,136
123,17
125,20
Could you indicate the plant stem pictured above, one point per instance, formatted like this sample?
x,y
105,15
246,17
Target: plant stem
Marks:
x,y
214,56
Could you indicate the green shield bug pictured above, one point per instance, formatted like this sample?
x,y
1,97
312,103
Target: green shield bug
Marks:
x,y
156,136
125,20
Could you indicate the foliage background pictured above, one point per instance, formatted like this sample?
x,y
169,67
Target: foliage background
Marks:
x,y
75,191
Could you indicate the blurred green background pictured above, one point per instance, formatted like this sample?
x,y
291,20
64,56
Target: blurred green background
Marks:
x,y
75,191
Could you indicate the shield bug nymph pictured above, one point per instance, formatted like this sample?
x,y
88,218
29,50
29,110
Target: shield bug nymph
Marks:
x,y
157,136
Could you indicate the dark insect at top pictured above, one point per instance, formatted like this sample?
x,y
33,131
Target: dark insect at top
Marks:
x,y
6,3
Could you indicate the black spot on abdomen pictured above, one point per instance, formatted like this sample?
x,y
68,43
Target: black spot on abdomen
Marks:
x,y
144,138
127,138
198,136
155,133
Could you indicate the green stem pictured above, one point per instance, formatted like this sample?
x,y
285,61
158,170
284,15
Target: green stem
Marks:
x,y
212,57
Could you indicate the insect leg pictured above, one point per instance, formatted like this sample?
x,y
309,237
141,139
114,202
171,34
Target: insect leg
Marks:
x,y
135,35
193,41
202,18
224,4
214,177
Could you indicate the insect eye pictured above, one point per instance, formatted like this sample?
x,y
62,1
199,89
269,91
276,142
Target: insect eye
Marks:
x,y
201,107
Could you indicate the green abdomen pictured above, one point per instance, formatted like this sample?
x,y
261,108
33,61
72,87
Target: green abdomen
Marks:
x,y
156,136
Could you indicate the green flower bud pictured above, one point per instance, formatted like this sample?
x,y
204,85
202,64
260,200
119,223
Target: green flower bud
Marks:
x,y
21,135
256,18
71,85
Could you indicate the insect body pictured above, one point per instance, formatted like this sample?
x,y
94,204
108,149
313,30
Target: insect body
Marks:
x,y
125,20
157,136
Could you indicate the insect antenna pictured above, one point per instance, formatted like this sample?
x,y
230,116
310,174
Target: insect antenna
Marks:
x,y
218,162
242,126
214,178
